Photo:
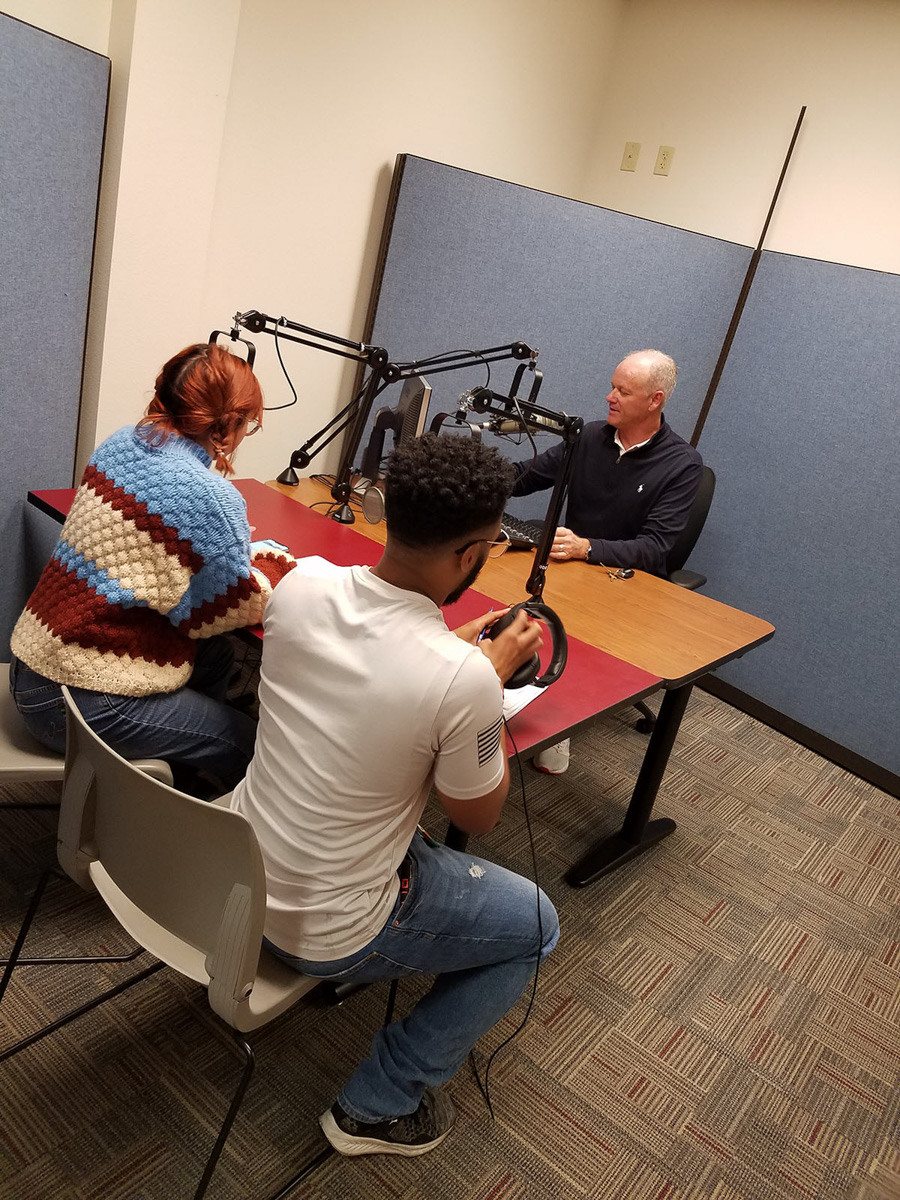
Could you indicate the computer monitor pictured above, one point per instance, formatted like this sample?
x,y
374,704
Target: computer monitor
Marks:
x,y
405,420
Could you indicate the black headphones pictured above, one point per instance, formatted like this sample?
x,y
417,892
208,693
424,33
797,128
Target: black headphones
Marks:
x,y
528,671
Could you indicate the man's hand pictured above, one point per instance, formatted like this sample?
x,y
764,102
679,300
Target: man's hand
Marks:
x,y
567,544
472,630
514,646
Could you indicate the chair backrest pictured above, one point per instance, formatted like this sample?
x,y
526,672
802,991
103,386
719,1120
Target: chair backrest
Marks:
x,y
184,877
687,539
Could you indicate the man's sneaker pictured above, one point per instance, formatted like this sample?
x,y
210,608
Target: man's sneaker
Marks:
x,y
414,1134
554,760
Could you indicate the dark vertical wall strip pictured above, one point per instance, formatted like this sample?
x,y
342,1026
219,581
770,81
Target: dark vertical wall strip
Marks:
x,y
52,114
804,527
473,261
744,293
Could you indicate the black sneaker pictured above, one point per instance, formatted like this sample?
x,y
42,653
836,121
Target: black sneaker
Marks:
x,y
414,1134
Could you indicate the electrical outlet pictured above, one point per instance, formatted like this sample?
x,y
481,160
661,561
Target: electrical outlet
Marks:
x,y
664,160
630,157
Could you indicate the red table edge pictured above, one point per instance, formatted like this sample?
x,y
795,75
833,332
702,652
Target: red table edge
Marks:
x,y
276,515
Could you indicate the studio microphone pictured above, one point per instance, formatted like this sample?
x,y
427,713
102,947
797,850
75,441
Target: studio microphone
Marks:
x,y
513,425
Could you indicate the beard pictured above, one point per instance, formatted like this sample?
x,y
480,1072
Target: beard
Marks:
x,y
466,583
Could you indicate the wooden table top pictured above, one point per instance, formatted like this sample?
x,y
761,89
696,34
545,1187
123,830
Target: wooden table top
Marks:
x,y
664,629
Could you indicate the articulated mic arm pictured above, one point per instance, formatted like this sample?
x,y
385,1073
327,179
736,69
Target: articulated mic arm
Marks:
x,y
355,414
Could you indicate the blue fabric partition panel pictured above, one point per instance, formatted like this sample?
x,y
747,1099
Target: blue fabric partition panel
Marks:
x,y
52,118
803,530
473,262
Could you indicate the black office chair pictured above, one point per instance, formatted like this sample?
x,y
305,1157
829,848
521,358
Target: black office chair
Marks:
x,y
678,556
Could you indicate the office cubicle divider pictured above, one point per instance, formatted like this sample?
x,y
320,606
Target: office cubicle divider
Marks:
x,y
800,434
471,262
52,117
803,434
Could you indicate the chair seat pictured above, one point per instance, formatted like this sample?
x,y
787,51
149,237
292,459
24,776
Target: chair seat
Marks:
x,y
24,760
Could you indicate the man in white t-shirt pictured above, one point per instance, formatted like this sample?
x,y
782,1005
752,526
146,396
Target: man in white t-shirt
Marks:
x,y
367,701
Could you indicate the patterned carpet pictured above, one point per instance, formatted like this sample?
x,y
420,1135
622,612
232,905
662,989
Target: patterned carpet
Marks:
x,y
721,1019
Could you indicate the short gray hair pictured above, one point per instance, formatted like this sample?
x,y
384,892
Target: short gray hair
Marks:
x,y
662,374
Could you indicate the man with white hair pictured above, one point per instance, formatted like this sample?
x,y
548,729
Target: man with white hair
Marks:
x,y
632,485
633,478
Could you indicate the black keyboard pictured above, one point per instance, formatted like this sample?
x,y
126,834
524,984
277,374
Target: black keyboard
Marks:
x,y
523,535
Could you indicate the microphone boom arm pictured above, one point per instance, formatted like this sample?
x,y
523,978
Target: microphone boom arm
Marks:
x,y
382,372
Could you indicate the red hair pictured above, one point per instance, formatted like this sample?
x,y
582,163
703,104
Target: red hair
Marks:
x,y
204,393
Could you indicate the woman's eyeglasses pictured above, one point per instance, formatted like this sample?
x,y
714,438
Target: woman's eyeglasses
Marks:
x,y
252,427
495,548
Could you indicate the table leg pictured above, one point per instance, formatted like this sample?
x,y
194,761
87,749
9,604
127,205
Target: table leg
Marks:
x,y
638,832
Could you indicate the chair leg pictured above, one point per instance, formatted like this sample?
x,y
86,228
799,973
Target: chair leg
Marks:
x,y
78,960
24,928
244,1050
647,720
79,1012
320,1158
15,959
312,1165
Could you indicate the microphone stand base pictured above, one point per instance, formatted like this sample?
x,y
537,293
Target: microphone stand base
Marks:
x,y
344,514
289,477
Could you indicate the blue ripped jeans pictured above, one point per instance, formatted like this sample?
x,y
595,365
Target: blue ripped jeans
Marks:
x,y
472,924
191,727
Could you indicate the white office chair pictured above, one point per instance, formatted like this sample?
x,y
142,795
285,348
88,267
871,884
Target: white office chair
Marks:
x,y
185,878
24,760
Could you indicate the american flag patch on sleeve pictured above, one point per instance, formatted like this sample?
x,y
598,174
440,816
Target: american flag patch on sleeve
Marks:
x,y
488,741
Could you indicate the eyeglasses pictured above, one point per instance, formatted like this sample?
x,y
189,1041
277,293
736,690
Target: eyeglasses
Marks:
x,y
496,548
252,427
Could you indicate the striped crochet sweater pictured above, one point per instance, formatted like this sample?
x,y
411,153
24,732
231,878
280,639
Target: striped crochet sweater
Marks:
x,y
154,554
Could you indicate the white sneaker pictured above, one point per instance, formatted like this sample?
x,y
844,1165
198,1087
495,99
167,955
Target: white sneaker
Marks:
x,y
554,760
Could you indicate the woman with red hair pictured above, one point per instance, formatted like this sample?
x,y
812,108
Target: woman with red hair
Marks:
x,y
153,563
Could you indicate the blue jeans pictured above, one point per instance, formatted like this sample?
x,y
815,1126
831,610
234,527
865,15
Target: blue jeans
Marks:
x,y
475,926
191,727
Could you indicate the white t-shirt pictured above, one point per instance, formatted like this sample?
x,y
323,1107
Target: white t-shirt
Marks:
x,y
366,698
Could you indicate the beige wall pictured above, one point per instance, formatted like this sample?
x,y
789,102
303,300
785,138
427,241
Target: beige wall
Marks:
x,y
250,145
249,154
171,73
323,97
723,81
85,22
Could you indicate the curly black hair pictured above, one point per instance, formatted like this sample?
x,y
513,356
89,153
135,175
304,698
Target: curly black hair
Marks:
x,y
439,489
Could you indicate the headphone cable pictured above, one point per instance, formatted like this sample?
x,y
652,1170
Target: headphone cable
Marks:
x,y
484,1087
